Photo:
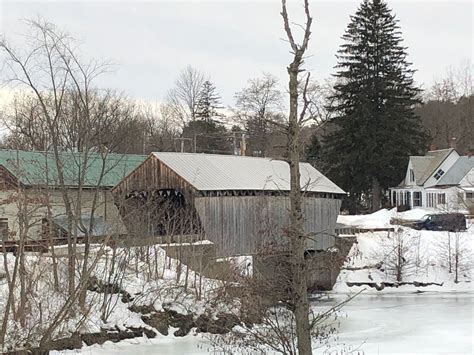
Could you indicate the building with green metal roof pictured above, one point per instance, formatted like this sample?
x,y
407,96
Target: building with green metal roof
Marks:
x,y
34,168
88,178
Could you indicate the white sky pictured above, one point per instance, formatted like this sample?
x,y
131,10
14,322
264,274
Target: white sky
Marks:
x,y
232,41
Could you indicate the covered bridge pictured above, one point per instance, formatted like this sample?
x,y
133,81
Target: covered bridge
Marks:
x,y
239,203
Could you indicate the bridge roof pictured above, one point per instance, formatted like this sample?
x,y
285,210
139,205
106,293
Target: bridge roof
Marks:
x,y
213,172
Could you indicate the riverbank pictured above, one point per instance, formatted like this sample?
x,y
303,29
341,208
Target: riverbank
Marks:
x,y
403,323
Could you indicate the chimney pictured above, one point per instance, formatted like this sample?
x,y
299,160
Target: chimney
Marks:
x,y
432,146
452,143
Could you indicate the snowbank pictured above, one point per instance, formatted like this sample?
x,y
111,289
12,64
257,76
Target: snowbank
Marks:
x,y
381,218
425,257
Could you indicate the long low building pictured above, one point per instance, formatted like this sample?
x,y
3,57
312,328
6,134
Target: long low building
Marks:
x,y
239,203
31,191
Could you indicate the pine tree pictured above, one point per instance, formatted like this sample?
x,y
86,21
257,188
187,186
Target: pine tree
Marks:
x,y
208,102
375,97
313,150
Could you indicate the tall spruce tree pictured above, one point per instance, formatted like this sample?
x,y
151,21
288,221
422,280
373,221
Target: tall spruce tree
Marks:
x,y
375,97
208,102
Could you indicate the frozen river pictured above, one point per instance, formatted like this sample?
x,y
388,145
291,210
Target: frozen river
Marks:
x,y
382,324
407,324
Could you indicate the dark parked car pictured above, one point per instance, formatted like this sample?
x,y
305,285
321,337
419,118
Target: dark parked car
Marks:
x,y
452,222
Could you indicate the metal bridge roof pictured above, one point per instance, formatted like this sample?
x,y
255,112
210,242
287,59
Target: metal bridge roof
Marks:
x,y
210,172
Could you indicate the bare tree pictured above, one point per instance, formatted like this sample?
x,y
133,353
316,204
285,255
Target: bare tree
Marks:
x,y
159,128
295,232
74,116
457,82
456,254
183,98
256,107
451,97
400,254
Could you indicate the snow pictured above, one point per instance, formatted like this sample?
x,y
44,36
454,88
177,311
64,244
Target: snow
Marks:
x,y
409,324
387,324
404,319
426,251
381,218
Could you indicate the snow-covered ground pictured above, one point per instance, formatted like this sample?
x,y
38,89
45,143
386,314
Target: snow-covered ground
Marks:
x,y
406,319
386,324
427,256
381,218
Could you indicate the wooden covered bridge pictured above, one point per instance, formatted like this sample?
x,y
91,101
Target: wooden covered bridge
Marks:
x,y
238,203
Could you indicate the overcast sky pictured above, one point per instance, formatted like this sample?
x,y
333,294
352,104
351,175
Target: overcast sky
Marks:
x,y
232,41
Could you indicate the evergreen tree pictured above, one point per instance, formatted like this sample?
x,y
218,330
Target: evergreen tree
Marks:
x,y
313,150
208,102
208,137
375,97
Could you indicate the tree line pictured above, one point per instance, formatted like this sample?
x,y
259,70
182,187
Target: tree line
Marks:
x,y
363,123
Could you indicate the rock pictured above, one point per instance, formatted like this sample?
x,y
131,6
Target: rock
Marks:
x,y
94,338
96,285
143,309
126,297
136,331
149,333
71,343
181,320
223,324
158,320
202,323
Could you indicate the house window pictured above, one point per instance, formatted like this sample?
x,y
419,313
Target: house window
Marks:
x,y
438,174
412,175
441,199
417,199
431,199
469,195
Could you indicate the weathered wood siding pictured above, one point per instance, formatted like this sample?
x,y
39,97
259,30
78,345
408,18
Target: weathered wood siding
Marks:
x,y
152,174
242,225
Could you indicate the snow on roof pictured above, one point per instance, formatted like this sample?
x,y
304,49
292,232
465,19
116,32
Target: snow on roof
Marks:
x,y
457,172
210,172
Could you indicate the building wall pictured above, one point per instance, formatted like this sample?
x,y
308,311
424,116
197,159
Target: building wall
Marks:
x,y
452,197
37,202
408,181
151,175
243,225
468,180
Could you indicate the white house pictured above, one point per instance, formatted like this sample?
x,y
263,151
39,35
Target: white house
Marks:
x,y
441,179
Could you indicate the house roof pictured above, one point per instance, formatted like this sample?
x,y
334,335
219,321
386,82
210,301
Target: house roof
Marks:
x,y
420,165
39,168
211,172
438,156
457,172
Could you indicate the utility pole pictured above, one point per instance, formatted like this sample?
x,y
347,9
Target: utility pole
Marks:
x,y
234,143
182,140
243,146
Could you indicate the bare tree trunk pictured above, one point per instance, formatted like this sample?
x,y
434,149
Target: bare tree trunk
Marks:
x,y
10,300
456,258
450,263
376,194
399,262
296,232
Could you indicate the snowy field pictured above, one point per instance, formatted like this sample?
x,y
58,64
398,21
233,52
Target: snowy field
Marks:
x,y
432,323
